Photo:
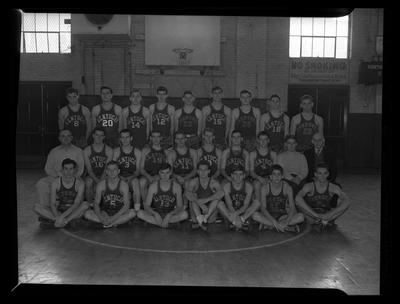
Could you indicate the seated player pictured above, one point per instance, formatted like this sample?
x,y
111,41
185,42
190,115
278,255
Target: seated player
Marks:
x,y
128,159
237,208
261,161
204,194
151,161
66,198
96,157
209,152
163,205
315,200
277,208
111,203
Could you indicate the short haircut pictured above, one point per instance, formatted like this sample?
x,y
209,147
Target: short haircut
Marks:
x,y
236,131
209,130
275,95
135,91
188,92
98,128
203,163
69,161
162,89
112,162
262,133
321,165
179,132
244,92
164,166
237,168
125,131
277,167
71,91
290,137
217,88
154,131
306,96
62,130
106,88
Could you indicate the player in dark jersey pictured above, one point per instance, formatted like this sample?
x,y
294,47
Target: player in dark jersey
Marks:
x,y
163,205
209,152
111,205
128,159
76,118
305,124
204,194
261,161
96,157
66,198
136,118
217,117
277,208
151,161
315,200
246,119
162,118
276,123
108,115
188,120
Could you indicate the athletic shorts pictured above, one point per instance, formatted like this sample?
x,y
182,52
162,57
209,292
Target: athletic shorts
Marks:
x,y
220,143
192,142
278,215
63,208
249,144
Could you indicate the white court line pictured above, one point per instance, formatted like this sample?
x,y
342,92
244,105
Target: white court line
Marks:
x,y
187,251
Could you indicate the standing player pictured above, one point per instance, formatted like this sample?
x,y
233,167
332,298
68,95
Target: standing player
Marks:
x,y
108,115
136,118
188,120
151,161
315,200
277,205
128,159
96,157
163,204
210,153
76,118
217,117
204,194
261,161
276,123
305,124
162,118
111,205
246,119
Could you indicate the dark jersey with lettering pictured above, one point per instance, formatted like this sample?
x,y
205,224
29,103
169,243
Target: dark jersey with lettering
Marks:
x,y
98,161
304,132
161,121
164,201
212,159
276,132
238,196
319,202
126,162
183,163
76,123
263,164
276,204
247,124
112,200
65,196
188,122
109,121
216,121
235,159
153,161
137,124
204,192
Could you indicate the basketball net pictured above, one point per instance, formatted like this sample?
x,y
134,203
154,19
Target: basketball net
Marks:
x,y
182,56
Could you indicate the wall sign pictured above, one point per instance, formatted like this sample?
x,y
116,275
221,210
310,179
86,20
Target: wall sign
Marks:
x,y
318,71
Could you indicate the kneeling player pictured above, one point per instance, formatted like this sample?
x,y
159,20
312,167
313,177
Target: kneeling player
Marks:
x,y
163,205
111,203
277,206
204,194
315,200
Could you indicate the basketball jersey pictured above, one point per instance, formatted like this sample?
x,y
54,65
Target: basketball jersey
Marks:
x,y
216,121
276,132
164,201
183,163
137,124
98,161
112,200
276,204
204,192
305,131
188,122
161,121
246,123
76,123
109,121
235,159
238,196
263,164
211,158
65,196
153,161
126,162
319,202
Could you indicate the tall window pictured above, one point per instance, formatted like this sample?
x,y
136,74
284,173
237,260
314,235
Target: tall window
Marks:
x,y
46,33
319,37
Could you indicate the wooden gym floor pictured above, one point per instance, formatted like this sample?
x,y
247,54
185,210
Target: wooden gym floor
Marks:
x,y
347,258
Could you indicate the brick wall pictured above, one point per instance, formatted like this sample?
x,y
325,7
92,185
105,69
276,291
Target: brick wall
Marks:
x,y
46,67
